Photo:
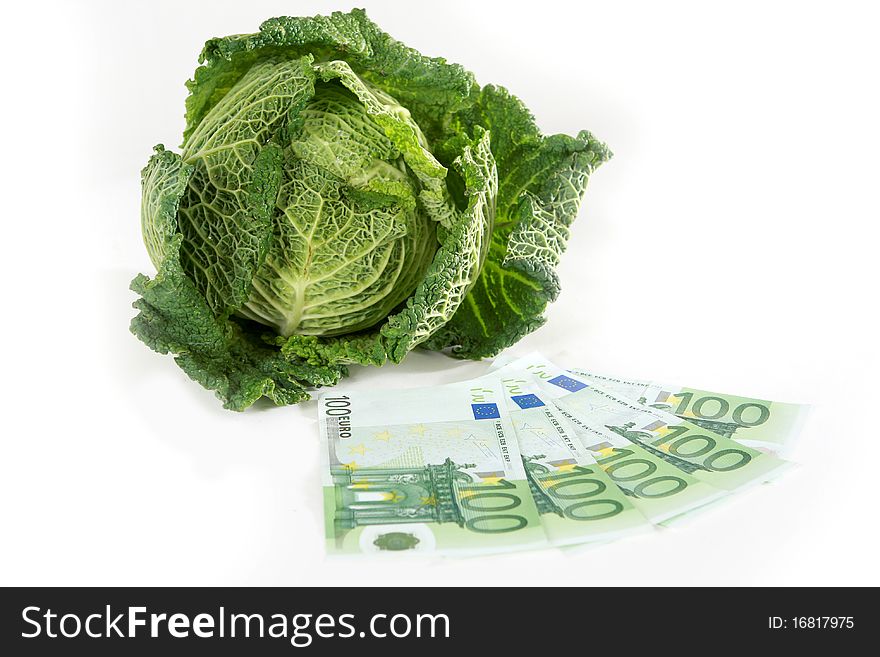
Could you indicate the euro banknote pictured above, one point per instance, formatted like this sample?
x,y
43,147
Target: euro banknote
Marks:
x,y
577,500
708,456
759,423
425,470
657,488
532,455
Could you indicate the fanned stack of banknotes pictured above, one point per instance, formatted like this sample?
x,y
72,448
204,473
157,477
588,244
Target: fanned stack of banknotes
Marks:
x,y
533,454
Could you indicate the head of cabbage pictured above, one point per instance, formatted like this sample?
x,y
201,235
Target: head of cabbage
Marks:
x,y
341,199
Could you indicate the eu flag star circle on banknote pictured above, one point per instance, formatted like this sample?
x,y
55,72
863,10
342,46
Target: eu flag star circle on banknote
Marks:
x,y
567,383
527,401
485,411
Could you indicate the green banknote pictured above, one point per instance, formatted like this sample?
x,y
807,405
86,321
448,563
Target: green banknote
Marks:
x,y
710,457
755,422
425,470
658,489
577,500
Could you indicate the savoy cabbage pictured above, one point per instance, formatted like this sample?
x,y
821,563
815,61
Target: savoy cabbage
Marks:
x,y
341,199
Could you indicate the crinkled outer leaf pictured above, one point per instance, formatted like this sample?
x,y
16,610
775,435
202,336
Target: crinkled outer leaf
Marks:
x,y
227,208
443,287
175,318
428,86
541,181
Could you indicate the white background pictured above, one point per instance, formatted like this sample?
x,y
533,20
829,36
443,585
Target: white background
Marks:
x,y
731,244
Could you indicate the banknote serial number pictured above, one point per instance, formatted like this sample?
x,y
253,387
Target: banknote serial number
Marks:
x,y
811,623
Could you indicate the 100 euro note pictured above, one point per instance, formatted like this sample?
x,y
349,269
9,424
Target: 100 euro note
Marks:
x,y
656,488
755,422
577,501
710,457
424,470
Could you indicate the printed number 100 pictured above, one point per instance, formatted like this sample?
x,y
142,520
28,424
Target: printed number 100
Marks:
x,y
489,506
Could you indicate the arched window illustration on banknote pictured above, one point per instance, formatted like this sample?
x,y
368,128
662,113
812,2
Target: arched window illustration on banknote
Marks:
x,y
397,495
